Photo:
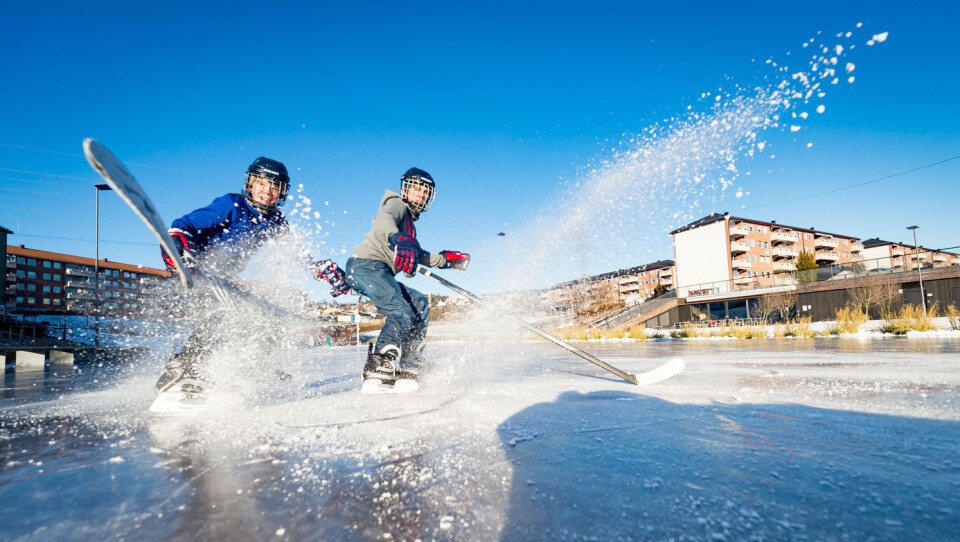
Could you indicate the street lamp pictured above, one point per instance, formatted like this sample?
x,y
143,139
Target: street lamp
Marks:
x,y
96,262
923,297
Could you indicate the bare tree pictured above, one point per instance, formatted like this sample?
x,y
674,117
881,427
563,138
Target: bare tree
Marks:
x,y
770,304
875,293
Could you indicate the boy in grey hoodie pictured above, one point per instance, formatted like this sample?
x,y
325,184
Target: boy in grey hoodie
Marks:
x,y
388,248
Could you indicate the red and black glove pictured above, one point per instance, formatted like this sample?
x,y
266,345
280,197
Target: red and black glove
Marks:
x,y
455,260
331,272
186,249
406,252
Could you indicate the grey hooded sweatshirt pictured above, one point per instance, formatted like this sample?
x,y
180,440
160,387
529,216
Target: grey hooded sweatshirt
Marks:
x,y
393,216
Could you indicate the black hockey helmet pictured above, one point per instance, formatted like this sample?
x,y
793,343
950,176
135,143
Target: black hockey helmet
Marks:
x,y
273,171
417,177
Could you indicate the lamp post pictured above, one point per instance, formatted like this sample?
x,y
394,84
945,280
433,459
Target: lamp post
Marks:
x,y
96,262
923,296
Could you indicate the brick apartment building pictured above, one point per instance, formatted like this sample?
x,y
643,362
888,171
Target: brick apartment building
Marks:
x,y
54,283
721,252
620,286
887,255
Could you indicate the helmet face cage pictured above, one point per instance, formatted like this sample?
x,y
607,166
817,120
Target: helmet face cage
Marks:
x,y
409,181
278,182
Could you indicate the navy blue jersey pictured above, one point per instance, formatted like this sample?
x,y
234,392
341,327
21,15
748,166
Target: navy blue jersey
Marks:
x,y
228,232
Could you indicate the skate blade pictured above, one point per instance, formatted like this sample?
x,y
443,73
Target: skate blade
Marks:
x,y
175,402
170,402
372,386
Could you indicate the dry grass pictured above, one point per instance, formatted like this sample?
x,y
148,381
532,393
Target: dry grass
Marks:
x,y
747,332
953,316
849,320
685,332
582,333
910,318
799,328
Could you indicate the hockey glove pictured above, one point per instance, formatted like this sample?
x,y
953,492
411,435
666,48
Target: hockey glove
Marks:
x,y
455,260
330,272
406,252
185,249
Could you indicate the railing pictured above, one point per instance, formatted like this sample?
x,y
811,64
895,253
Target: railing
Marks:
x,y
737,247
79,273
737,230
785,252
625,315
856,247
827,255
740,264
860,268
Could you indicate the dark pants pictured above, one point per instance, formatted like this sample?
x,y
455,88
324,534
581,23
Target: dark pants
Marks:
x,y
406,309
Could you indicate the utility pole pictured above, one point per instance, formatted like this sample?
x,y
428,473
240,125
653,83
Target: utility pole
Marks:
x,y
923,296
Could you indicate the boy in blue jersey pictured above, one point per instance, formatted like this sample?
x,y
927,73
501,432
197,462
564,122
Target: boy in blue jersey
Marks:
x,y
220,239
390,247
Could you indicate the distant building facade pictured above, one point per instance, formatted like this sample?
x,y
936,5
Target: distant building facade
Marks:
x,y
55,283
620,286
887,255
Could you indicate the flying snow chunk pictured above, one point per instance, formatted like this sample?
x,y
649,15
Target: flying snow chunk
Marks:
x,y
880,38
116,459
809,145
850,67
821,108
739,193
850,79
794,128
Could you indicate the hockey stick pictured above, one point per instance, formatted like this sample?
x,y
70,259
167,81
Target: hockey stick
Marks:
x,y
666,370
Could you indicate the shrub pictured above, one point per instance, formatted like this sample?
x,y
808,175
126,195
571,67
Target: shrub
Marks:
x,y
800,327
953,316
849,320
910,318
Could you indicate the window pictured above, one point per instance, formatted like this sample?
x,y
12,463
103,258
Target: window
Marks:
x,y
46,289
31,274
19,286
56,301
20,274
56,265
47,264
31,261
56,277
31,287
31,300
133,275
19,299
46,301
20,260
47,276
56,289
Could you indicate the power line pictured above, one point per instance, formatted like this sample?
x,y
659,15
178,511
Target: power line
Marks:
x,y
853,185
81,156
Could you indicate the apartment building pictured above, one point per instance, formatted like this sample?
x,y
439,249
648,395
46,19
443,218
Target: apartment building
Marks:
x,y
54,283
887,255
720,253
620,286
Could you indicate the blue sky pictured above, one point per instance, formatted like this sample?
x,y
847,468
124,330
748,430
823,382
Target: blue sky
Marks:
x,y
506,104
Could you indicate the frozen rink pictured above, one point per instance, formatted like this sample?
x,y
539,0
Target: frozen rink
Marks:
x,y
793,439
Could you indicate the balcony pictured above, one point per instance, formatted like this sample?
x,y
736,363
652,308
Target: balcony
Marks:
x,y
739,247
827,242
856,247
741,264
783,236
79,273
77,284
897,251
738,230
666,281
79,296
11,265
940,257
784,252
827,256
780,267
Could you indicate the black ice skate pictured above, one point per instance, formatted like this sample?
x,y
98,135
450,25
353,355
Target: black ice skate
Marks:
x,y
382,366
180,375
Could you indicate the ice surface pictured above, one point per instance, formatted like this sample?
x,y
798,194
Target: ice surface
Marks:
x,y
769,439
